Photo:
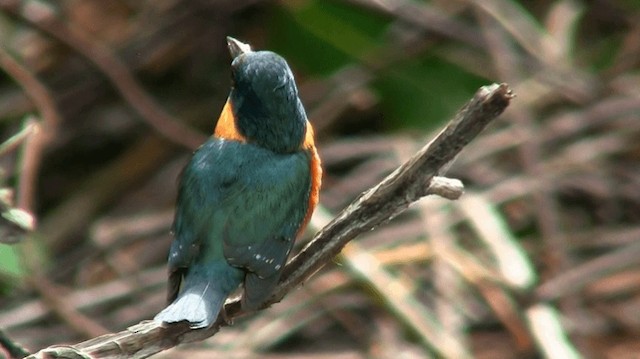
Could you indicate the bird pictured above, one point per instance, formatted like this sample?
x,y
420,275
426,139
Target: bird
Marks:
x,y
245,195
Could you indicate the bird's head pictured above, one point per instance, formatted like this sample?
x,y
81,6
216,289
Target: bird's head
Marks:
x,y
264,99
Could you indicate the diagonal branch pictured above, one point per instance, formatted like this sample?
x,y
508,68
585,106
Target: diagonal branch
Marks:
x,y
410,182
12,348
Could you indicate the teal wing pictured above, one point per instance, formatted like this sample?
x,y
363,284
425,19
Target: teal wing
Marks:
x,y
206,182
264,218
243,204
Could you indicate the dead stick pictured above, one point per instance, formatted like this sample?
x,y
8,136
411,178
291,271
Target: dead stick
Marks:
x,y
394,194
12,348
46,20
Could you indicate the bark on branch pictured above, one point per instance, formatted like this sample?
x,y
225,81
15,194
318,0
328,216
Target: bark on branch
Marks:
x,y
413,180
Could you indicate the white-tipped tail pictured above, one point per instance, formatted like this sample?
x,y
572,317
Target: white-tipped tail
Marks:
x,y
198,304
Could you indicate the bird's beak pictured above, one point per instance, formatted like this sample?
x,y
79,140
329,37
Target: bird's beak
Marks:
x,y
237,48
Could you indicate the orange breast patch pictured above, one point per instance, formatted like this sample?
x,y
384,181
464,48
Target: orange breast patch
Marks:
x,y
226,126
316,175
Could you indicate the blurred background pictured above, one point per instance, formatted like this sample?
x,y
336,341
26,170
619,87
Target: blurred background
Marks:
x,y
102,102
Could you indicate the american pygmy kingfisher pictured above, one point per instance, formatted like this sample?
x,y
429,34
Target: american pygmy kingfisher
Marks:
x,y
245,195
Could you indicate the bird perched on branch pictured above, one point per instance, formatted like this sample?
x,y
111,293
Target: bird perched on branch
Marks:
x,y
245,195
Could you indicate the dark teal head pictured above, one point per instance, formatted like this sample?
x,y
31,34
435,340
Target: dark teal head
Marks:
x,y
265,100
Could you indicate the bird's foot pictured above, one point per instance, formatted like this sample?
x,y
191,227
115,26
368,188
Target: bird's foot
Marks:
x,y
223,314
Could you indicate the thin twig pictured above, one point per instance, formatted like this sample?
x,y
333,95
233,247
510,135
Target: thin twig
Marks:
x,y
407,184
14,349
426,17
41,135
117,72
37,92
574,279
55,298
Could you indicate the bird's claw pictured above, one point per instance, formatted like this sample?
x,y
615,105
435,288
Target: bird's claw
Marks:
x,y
225,317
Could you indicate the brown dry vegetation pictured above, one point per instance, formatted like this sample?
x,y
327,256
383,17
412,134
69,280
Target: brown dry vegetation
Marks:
x,y
539,257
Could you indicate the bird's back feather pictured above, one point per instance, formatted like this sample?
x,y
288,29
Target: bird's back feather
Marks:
x,y
239,209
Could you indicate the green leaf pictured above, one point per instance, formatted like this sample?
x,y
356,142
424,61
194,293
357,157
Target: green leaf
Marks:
x,y
10,261
321,37
423,93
